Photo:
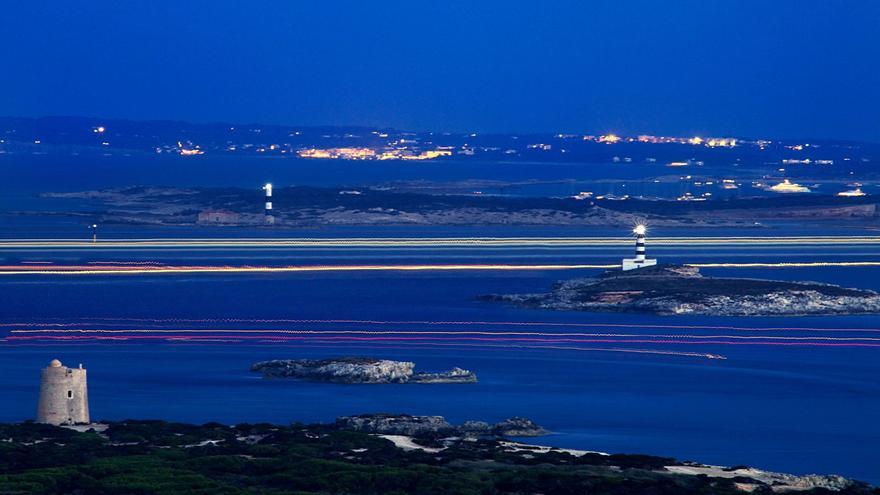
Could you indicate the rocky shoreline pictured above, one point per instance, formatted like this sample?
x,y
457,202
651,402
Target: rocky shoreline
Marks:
x,y
356,370
682,290
433,434
433,426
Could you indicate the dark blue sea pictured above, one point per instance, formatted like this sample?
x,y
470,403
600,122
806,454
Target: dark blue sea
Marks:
x,y
802,408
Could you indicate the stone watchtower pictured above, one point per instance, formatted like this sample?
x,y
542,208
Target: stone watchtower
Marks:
x,y
64,398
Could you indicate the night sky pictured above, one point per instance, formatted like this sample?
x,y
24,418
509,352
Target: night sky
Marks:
x,y
794,69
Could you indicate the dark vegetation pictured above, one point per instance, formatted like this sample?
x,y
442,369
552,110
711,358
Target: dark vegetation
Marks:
x,y
157,457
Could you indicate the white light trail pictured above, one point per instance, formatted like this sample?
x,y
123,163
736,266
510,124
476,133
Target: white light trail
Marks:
x,y
423,242
194,269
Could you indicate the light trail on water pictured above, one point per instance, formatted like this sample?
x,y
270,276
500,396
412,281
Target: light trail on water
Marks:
x,y
453,323
179,270
497,333
84,270
438,337
422,242
51,333
431,344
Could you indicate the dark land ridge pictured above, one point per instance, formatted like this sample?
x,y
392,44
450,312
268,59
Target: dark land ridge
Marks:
x,y
302,206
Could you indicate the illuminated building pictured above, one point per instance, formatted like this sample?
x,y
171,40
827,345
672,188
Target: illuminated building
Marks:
x,y
399,153
583,195
853,193
721,142
314,153
787,186
188,150
428,155
338,153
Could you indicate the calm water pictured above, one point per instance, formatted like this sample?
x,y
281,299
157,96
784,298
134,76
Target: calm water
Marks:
x,y
791,408
797,408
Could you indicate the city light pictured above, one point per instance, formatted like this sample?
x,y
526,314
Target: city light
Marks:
x,y
396,153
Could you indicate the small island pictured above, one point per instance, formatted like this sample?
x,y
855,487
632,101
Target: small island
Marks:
x,y
353,370
682,290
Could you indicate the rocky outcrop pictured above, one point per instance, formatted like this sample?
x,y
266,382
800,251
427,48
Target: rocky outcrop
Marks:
x,y
518,427
779,303
675,290
455,375
415,426
397,424
358,370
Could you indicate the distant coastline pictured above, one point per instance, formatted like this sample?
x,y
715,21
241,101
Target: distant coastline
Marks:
x,y
400,206
91,136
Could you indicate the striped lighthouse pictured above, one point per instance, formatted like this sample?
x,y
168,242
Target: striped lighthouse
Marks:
x,y
270,218
640,261
640,242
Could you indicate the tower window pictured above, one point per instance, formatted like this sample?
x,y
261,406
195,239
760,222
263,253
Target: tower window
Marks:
x,y
70,394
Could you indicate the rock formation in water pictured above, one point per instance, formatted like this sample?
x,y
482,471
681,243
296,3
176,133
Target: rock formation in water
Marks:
x,y
358,370
675,290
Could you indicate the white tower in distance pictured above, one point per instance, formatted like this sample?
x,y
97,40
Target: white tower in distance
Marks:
x,y
270,218
64,397
640,261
